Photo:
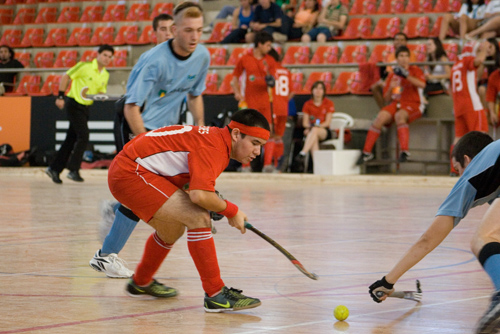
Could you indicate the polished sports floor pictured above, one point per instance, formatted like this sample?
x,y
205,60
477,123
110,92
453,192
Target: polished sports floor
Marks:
x,y
348,230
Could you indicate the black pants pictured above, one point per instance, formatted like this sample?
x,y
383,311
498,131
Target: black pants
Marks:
x,y
121,129
77,138
235,36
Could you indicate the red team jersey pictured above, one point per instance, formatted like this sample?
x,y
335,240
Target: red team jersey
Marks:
x,y
318,113
407,92
281,91
463,86
493,86
256,94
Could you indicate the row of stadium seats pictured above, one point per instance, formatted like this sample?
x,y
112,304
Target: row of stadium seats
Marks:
x,y
92,13
370,7
67,58
80,36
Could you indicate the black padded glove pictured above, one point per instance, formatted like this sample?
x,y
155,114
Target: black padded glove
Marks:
x,y
270,81
401,72
380,288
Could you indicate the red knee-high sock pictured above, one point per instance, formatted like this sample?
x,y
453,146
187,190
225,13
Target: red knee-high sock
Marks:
x,y
279,149
452,168
404,137
155,252
202,249
371,138
268,152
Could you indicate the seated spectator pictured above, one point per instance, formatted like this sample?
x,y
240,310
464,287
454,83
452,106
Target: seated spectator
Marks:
x,y
467,19
7,60
403,89
267,17
331,20
490,25
242,16
437,76
224,13
316,119
288,7
305,19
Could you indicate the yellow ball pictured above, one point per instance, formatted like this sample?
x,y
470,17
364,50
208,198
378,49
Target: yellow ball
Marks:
x,y
341,312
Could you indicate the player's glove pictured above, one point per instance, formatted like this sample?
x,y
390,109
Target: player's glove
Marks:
x,y
270,82
214,215
380,288
401,72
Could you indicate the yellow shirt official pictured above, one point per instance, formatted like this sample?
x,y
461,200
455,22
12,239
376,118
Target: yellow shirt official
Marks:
x,y
86,79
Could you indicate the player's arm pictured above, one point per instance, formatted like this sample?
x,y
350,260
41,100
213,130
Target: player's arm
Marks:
x,y
236,88
431,238
195,105
132,113
390,83
63,85
481,54
417,82
328,120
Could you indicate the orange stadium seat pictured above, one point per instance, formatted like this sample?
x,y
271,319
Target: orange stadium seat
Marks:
x,y
419,50
297,81
114,13
417,27
444,6
6,15
391,7
357,28
236,54
69,14
221,30
380,52
326,77
162,7
138,12
66,58
56,37
355,85
436,27
211,83
28,84
92,14
363,7
341,86
119,58
33,37
12,37
126,35
102,35
386,28
225,87
89,55
24,58
47,15
451,50
80,36
217,56
44,59
354,54
419,6
147,37
25,16
297,55
50,86
326,54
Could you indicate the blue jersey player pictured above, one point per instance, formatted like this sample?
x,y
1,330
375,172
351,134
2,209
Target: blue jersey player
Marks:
x,y
477,159
161,80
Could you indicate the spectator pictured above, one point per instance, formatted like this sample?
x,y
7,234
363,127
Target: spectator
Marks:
x,y
331,20
224,13
404,88
268,17
7,60
467,19
490,26
437,76
305,19
162,25
86,78
493,89
287,6
242,16
317,116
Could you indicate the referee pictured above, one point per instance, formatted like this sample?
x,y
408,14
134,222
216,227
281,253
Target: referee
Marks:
x,y
86,78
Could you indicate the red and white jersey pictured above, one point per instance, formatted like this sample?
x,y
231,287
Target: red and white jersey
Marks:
x,y
464,85
182,154
318,113
281,91
493,86
406,92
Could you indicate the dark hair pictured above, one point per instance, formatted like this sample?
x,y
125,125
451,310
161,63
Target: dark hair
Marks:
x,y
161,17
495,58
401,34
470,145
439,53
316,84
106,47
262,37
11,51
402,49
273,53
251,117
470,4
184,5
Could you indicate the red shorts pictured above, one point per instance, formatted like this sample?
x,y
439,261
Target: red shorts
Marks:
x,y
264,107
413,110
138,189
280,125
471,121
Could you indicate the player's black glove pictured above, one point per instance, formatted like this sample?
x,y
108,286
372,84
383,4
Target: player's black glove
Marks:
x,y
214,215
270,82
401,72
380,288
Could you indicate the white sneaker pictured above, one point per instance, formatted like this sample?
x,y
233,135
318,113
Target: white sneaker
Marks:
x,y
269,169
207,29
111,265
107,210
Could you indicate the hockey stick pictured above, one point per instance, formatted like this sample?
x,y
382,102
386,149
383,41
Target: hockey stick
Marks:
x,y
289,256
410,295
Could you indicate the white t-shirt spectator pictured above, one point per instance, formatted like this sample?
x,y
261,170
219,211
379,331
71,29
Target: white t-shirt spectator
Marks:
x,y
492,7
477,12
